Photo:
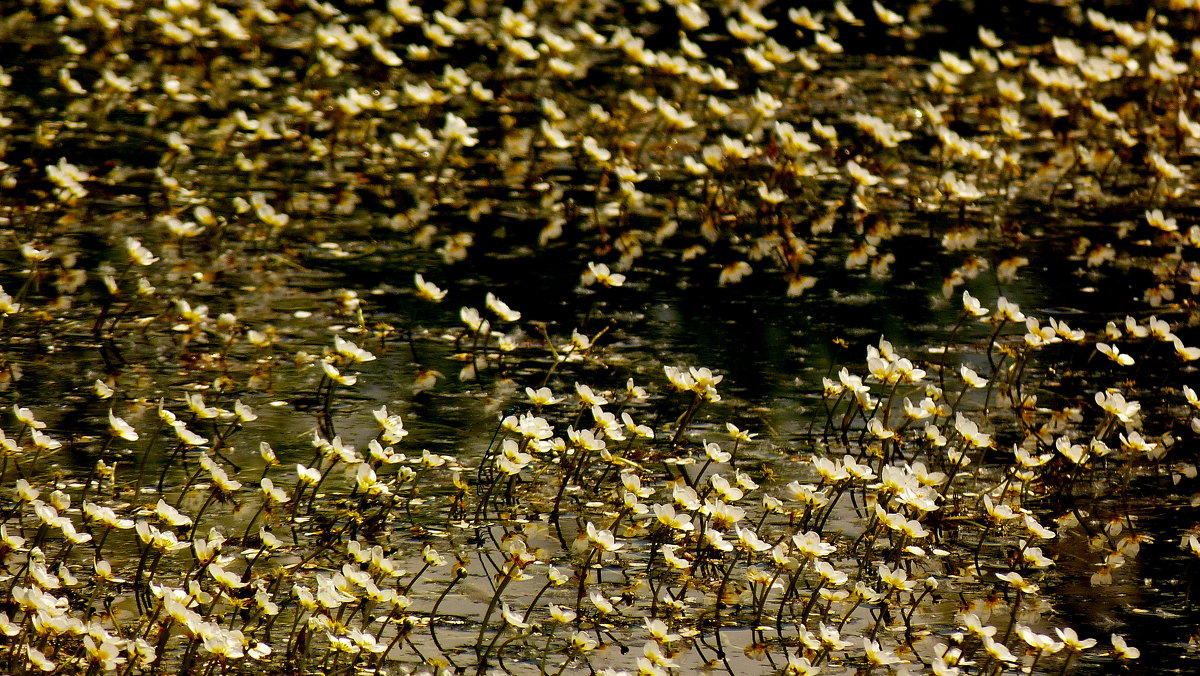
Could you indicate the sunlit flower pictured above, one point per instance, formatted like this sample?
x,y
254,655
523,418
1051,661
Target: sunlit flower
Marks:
x,y
1123,650
1162,167
1136,443
749,540
243,413
1072,641
642,431
171,515
1183,352
1038,642
998,513
138,253
561,615
970,431
308,475
831,638
541,397
860,175
667,516
501,309
1115,404
896,578
1034,557
734,272
714,453
673,559
225,578
120,428
1156,220
1008,311
1113,353
336,375
976,626
877,430
44,441
972,306
860,471
350,351
810,545
600,273
26,417
602,539
876,655
998,650
1018,582
511,618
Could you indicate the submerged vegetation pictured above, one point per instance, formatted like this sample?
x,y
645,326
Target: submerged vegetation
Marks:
x,y
267,408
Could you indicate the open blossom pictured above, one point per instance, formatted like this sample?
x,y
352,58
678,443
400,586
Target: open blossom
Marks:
x,y
673,559
470,316
876,655
666,515
1009,311
512,618
1018,582
1072,641
714,539
972,306
643,431
428,290
1114,354
602,539
598,273
1115,404
715,454
243,413
308,475
971,378
1038,642
138,253
171,515
970,431
750,541
810,545
392,425
680,380
501,308
337,376
541,396
896,578
351,351
34,254
457,130
704,378
726,490
1123,650
830,471
120,428
998,650
1001,512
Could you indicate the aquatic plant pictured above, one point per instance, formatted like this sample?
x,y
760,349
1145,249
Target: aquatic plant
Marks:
x,y
233,444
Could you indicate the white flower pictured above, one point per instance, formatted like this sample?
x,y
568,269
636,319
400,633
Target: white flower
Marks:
x,y
602,539
138,253
428,290
599,273
120,428
501,308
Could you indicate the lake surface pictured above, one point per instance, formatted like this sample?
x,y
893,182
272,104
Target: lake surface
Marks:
x,y
675,216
